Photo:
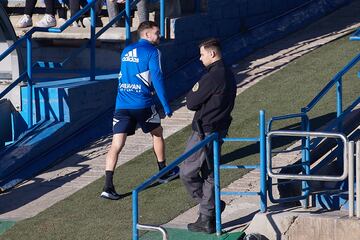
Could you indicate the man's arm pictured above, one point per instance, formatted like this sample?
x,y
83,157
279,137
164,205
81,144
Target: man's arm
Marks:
x,y
158,80
199,94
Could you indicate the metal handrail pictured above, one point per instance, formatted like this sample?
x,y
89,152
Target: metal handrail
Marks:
x,y
305,122
351,178
28,38
216,153
355,36
154,228
337,79
151,180
271,174
284,117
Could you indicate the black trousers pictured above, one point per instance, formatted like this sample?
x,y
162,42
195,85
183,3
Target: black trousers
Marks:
x,y
30,6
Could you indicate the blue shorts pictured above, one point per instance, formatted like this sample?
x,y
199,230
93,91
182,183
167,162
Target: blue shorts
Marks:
x,y
125,120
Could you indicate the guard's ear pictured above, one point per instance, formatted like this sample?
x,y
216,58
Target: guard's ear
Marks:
x,y
212,53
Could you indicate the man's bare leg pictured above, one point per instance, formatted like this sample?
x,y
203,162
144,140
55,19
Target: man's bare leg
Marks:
x,y
159,149
112,156
117,145
158,143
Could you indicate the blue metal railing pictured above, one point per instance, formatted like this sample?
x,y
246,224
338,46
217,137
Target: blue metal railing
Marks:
x,y
355,36
262,193
148,182
29,65
214,137
305,125
28,74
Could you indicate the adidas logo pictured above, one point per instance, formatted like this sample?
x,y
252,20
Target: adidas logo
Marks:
x,y
131,56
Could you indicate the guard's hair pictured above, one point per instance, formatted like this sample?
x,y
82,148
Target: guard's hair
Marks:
x,y
212,44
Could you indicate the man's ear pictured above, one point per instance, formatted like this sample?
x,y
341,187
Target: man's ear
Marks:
x,y
146,33
213,53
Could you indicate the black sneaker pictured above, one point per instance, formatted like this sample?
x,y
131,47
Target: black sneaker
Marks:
x,y
110,193
173,173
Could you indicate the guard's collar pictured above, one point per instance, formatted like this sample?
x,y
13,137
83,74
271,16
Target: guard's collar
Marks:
x,y
214,64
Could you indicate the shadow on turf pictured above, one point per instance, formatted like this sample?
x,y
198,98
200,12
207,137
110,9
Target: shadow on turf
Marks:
x,y
37,187
155,184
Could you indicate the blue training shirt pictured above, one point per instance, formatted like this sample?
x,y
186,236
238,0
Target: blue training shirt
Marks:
x,y
140,77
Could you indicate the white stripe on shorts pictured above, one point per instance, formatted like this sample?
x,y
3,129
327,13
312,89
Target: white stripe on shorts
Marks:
x,y
155,117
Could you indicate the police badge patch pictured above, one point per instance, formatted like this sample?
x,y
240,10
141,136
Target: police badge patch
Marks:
x,y
195,87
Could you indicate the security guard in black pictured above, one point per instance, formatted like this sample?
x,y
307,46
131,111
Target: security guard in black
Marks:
x,y
212,97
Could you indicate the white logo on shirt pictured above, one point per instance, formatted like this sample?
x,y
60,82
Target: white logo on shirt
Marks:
x,y
131,56
130,87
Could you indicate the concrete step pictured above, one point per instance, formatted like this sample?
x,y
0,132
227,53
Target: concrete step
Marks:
x,y
112,34
295,223
82,32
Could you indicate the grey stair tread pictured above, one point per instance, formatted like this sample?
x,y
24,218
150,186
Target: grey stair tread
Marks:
x,y
117,33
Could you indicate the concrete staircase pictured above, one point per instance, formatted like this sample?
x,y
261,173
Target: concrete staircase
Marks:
x,y
113,34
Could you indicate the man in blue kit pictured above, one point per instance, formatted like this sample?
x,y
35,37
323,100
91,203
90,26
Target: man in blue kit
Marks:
x,y
140,78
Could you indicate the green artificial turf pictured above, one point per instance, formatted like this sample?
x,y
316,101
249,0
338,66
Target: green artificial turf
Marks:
x,y
182,234
86,216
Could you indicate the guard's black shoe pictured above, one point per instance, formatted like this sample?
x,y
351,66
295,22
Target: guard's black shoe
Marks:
x,y
204,224
110,193
173,173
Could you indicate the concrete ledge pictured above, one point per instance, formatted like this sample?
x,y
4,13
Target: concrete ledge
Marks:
x,y
299,224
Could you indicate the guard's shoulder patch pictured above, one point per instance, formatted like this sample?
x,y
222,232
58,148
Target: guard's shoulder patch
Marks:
x,y
195,87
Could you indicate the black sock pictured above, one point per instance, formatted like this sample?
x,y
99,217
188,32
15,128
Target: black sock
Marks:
x,y
109,179
161,165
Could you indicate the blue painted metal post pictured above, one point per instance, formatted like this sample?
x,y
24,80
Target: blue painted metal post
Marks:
x,y
305,143
216,149
13,131
127,22
339,115
29,85
339,97
162,18
93,42
135,214
263,192
339,103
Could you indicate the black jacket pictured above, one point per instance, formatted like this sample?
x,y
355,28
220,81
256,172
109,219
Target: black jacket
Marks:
x,y
212,97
